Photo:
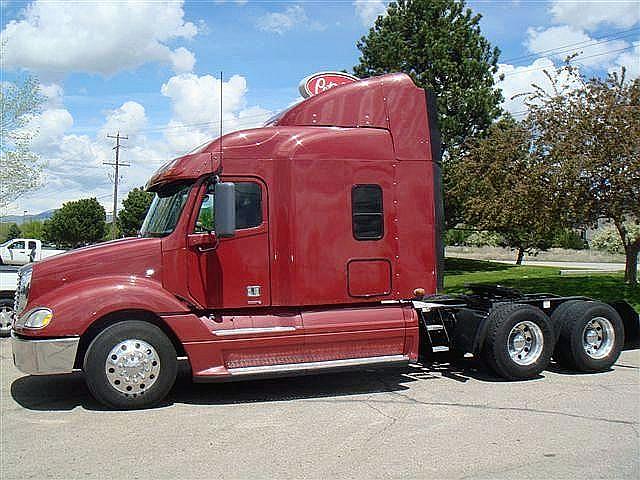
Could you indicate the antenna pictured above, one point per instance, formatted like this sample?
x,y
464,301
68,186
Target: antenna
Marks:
x,y
220,118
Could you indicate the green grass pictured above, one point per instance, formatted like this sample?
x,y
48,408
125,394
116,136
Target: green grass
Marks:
x,y
606,287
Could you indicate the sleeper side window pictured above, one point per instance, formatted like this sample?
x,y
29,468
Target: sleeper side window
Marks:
x,y
367,212
248,207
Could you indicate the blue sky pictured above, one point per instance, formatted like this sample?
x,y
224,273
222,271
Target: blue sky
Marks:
x,y
150,69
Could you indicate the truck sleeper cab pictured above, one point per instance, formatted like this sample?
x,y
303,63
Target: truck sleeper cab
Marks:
x,y
309,244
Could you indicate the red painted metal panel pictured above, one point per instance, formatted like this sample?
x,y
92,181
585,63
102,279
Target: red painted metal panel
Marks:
x,y
332,334
369,277
219,277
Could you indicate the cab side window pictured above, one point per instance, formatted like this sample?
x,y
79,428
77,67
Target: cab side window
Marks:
x,y
366,212
17,245
248,207
205,217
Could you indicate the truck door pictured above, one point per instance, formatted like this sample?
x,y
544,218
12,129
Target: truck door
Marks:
x,y
234,274
18,252
32,250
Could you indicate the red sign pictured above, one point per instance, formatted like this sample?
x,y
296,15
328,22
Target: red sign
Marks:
x,y
323,81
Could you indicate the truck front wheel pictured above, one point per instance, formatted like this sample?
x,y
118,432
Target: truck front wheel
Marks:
x,y
6,316
591,337
130,364
519,341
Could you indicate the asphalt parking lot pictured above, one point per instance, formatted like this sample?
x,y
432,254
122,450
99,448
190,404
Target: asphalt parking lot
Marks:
x,y
438,421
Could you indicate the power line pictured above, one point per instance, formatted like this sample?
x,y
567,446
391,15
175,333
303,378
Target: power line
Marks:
x,y
117,165
571,46
202,124
575,60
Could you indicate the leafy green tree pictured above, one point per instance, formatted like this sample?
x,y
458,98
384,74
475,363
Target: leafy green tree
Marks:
x,y
588,135
33,229
439,44
503,188
20,168
14,232
77,223
134,209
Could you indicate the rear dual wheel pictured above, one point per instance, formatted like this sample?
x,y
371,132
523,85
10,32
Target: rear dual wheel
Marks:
x,y
591,336
519,341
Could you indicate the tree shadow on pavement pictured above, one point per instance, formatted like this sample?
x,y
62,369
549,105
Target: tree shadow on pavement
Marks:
x,y
66,392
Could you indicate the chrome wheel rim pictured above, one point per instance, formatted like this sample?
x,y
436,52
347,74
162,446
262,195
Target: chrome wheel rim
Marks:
x,y
598,338
525,343
6,317
132,367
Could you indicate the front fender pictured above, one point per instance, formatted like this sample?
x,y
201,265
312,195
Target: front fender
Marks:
x,y
77,305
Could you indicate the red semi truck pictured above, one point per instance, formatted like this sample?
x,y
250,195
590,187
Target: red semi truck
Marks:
x,y
310,244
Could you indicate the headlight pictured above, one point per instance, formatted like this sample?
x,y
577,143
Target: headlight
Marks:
x,y
22,292
38,318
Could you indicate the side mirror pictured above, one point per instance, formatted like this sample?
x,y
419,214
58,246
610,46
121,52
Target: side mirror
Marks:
x,y
225,209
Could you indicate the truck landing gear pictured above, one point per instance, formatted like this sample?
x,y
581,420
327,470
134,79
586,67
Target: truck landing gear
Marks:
x,y
130,364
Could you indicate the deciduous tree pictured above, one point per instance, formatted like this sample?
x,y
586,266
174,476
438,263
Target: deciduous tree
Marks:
x,y
504,188
20,168
134,209
77,223
589,136
14,232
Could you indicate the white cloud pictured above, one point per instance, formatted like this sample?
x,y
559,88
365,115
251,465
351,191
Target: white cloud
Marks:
x,y
53,94
589,15
195,103
591,53
519,80
368,10
281,22
63,37
50,127
128,119
74,163
183,60
630,60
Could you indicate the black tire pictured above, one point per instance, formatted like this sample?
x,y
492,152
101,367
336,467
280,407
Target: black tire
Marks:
x,y
6,305
560,315
495,352
96,357
570,350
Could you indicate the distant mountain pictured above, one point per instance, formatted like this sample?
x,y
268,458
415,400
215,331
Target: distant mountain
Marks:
x,y
20,218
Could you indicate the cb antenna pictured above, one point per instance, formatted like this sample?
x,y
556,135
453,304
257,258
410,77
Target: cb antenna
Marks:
x,y
220,117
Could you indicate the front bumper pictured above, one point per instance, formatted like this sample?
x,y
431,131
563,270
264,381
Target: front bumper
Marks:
x,y
44,357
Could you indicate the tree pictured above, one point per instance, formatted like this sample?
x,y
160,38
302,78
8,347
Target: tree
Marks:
x,y
77,223
504,188
439,44
20,168
13,232
33,229
588,134
134,209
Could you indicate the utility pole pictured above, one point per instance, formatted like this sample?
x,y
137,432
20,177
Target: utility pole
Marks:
x,y
117,165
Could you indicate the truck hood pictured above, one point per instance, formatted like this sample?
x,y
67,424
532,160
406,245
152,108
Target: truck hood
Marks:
x,y
136,257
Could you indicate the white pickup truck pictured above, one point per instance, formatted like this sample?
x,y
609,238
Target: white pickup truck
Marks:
x,y
8,285
21,251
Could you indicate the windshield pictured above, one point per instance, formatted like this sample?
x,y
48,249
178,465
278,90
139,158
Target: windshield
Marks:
x,y
165,210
